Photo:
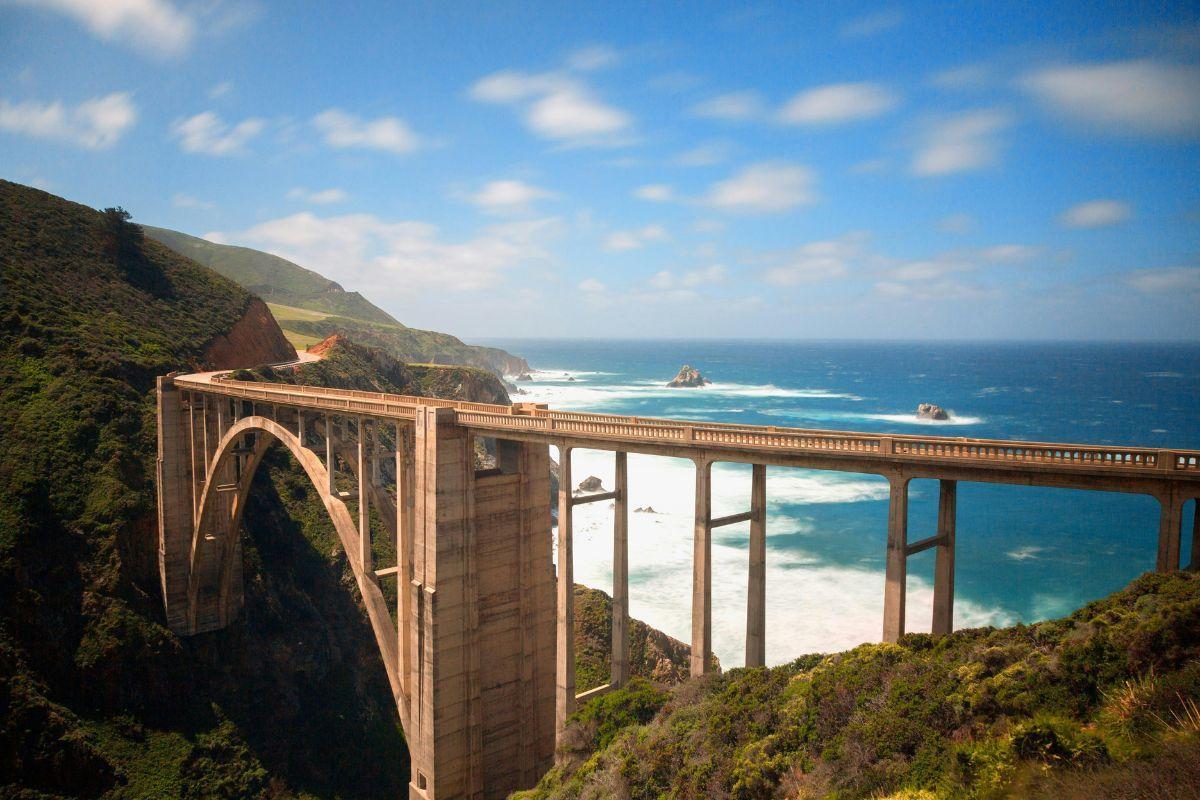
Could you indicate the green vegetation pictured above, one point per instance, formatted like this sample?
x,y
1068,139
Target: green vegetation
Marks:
x,y
294,293
1100,704
99,698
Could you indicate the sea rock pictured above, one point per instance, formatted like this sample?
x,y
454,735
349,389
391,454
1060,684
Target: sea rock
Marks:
x,y
932,411
570,380
591,484
688,377
524,376
646,510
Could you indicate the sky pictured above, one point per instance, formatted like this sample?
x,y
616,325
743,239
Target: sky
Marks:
x,y
943,170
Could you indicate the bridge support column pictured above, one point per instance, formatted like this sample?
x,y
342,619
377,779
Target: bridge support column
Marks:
x,y
943,568
1170,530
897,560
620,606
176,506
1195,559
564,703
701,655
756,590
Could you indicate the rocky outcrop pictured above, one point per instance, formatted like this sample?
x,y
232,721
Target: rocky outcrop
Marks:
x,y
255,339
524,376
591,484
932,411
688,377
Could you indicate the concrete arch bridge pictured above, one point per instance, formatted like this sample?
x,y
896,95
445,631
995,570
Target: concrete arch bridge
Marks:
x,y
479,646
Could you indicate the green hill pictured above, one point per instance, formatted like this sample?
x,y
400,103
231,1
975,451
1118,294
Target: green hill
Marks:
x,y
1100,704
272,278
310,307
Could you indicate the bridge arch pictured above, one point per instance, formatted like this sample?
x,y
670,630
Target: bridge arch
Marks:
x,y
214,575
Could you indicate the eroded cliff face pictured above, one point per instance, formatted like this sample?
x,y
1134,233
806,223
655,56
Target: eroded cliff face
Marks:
x,y
255,339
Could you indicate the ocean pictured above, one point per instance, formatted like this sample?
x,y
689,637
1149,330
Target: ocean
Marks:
x,y
1023,553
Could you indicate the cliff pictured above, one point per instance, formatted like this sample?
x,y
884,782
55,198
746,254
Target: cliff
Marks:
x,y
256,338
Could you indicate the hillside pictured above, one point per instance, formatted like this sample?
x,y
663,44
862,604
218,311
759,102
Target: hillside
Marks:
x,y
1100,704
311,307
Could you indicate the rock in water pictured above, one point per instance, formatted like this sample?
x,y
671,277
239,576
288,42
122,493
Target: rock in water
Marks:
x,y
688,377
524,376
591,484
932,411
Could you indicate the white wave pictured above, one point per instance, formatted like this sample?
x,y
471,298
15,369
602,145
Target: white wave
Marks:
x,y
581,394
811,606
1164,374
1027,553
911,419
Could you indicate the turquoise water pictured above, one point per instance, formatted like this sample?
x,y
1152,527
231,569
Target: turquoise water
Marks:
x,y
1023,553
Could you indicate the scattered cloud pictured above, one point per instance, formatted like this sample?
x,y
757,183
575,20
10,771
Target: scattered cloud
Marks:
x,y
508,196
690,279
956,223
704,155
731,106
1096,214
967,77
1008,253
320,197
872,24
764,188
94,124
635,239
193,203
840,102
818,261
592,286
655,192
1128,97
220,90
558,107
960,143
365,251
343,130
155,27
1165,280
593,57
207,133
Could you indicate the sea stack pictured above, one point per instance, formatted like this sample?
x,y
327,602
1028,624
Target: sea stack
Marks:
x,y
688,377
932,411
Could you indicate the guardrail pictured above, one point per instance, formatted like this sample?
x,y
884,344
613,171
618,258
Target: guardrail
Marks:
x,y
495,417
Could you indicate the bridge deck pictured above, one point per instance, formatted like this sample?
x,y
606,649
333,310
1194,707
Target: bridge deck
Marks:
x,y
1046,463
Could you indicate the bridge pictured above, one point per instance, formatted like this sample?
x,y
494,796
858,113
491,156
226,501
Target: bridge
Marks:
x,y
479,647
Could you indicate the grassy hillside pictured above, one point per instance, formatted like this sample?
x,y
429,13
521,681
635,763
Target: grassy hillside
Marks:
x,y
310,307
272,278
1101,704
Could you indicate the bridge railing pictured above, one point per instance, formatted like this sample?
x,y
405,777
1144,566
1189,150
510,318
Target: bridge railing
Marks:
x,y
631,428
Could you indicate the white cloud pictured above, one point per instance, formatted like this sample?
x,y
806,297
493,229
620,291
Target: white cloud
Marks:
x,y
704,155
766,187
319,197
872,24
1096,214
187,201
592,286
731,106
95,124
220,90
343,130
594,57
667,280
555,106
364,251
508,196
655,192
956,223
817,261
207,133
839,102
153,26
1132,97
1165,280
635,239
1008,253
960,143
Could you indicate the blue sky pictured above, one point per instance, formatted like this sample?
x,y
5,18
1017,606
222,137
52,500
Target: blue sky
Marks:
x,y
940,170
